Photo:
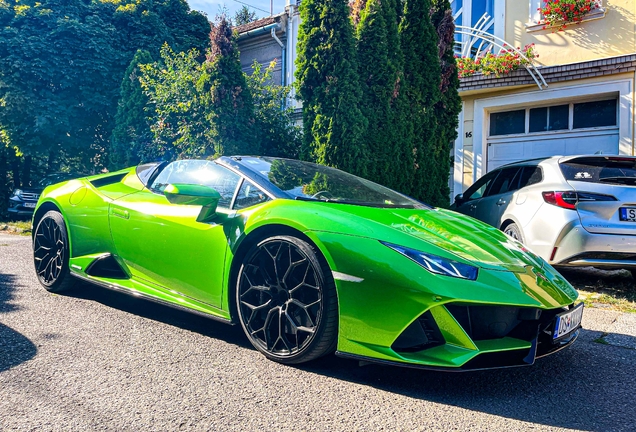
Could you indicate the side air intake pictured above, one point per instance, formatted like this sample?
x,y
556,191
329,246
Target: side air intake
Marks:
x,y
106,266
422,334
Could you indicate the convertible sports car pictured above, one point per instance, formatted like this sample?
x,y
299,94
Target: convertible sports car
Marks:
x,y
308,259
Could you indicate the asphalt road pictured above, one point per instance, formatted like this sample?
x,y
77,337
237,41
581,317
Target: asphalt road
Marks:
x,y
98,360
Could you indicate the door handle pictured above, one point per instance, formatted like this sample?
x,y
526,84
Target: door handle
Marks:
x,y
120,213
501,202
473,206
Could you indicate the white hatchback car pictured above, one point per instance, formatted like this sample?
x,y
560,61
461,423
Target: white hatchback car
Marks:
x,y
572,211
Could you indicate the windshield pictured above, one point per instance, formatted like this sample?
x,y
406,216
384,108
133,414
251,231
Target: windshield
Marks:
x,y
309,181
609,170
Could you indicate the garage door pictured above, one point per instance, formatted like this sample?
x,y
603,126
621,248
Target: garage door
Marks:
x,y
568,129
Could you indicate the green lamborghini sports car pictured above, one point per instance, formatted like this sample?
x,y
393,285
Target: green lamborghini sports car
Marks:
x,y
309,260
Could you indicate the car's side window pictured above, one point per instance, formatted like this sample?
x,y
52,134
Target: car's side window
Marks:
x,y
530,175
480,187
249,195
199,172
504,182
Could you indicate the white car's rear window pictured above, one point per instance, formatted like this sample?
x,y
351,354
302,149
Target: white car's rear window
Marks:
x,y
602,169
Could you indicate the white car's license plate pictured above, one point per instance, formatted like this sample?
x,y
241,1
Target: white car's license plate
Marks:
x,y
566,322
627,214
29,205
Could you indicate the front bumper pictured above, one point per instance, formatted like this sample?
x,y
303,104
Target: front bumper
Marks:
x,y
392,310
493,360
21,208
495,337
578,247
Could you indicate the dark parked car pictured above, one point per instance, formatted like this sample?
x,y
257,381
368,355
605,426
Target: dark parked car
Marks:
x,y
23,200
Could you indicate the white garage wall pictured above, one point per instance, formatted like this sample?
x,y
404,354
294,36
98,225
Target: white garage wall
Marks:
x,y
606,137
502,151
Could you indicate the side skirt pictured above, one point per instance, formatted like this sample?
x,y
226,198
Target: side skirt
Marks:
x,y
144,296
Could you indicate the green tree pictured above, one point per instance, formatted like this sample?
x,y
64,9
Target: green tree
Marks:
x,y
212,108
421,90
61,65
329,88
56,66
277,132
447,109
379,67
177,107
132,130
225,88
244,16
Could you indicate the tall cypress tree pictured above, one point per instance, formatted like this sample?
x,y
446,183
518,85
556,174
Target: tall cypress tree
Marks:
x,y
402,165
223,81
378,75
329,88
447,110
132,131
421,90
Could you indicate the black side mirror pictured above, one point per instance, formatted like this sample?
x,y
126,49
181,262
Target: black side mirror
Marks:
x,y
459,199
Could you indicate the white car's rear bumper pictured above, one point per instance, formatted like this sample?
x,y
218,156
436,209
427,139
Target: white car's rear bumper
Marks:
x,y
581,248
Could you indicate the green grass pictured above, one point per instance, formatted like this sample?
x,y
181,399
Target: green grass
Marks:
x,y
613,290
612,301
21,227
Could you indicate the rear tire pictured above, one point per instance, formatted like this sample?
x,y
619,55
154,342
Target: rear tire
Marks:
x,y
513,231
286,300
51,253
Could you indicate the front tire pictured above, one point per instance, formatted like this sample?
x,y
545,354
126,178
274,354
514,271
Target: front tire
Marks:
x,y
286,300
51,253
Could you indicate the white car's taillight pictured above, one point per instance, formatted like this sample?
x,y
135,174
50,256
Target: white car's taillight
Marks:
x,y
569,199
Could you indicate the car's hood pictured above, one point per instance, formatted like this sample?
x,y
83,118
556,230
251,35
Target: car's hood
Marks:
x,y
458,234
32,190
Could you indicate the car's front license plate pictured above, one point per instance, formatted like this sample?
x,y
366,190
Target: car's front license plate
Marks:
x,y
627,214
29,205
566,322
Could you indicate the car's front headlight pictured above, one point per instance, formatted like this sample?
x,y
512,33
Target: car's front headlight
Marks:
x,y
17,193
436,264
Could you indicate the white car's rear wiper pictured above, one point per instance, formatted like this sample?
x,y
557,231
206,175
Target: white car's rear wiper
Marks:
x,y
619,180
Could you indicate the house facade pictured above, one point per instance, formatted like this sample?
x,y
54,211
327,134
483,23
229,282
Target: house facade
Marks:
x,y
577,97
580,100
270,39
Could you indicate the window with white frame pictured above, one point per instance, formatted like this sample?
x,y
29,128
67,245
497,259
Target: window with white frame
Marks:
x,y
562,117
486,16
474,13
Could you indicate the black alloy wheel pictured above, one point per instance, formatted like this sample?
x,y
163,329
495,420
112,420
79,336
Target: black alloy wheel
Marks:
x,y
51,253
286,300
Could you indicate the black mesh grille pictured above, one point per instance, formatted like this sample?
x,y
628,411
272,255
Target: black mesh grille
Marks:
x,y
496,322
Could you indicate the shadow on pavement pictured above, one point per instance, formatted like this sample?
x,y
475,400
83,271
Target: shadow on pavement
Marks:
x,y
588,386
147,309
14,347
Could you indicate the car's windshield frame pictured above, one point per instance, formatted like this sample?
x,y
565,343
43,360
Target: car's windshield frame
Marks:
x,y
241,163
